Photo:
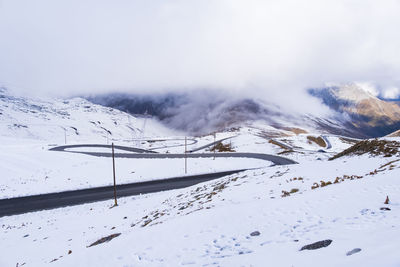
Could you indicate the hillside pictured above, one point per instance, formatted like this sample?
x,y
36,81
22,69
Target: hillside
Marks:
x,y
73,120
367,113
394,134
317,212
201,112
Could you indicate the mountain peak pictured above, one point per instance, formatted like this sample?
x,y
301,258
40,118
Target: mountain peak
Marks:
x,y
354,92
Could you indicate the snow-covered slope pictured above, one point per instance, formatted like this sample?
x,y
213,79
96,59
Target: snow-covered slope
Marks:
x,y
367,114
76,120
259,217
255,218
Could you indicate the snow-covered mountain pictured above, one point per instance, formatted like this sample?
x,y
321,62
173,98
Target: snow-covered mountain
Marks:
x,y
355,111
201,112
394,134
275,212
367,113
76,119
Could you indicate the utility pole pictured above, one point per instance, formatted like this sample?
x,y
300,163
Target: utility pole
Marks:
x,y
131,128
144,124
215,145
185,155
115,186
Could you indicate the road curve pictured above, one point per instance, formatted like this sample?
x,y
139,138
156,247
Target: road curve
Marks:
x,y
190,142
126,148
327,142
210,144
21,205
143,154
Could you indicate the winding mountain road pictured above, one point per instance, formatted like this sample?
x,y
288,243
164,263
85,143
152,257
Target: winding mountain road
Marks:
x,y
143,154
327,142
210,144
20,205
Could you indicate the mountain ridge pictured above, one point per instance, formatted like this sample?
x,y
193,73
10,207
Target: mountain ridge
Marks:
x,y
354,111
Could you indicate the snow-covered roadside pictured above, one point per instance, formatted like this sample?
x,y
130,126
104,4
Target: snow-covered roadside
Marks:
x,y
211,223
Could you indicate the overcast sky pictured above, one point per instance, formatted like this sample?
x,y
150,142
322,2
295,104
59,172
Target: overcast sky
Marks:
x,y
267,48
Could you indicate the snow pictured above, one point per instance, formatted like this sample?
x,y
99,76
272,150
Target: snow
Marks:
x,y
356,92
200,235
74,120
208,224
30,168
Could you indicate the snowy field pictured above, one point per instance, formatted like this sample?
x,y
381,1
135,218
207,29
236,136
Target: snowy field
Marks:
x,y
188,227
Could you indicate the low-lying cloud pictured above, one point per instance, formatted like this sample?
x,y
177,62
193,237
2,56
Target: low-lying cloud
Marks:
x,y
271,49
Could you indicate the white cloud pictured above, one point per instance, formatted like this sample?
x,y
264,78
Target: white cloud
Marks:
x,y
391,93
269,48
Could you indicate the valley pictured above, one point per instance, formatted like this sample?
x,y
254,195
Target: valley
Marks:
x,y
273,210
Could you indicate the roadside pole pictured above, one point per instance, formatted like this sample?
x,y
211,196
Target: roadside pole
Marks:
x,y
115,186
65,136
185,155
215,145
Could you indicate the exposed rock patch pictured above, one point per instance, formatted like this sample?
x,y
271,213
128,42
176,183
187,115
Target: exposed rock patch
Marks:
x,y
317,245
104,239
354,251
373,147
255,233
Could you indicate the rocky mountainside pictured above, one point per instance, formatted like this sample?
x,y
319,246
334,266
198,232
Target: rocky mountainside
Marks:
x,y
367,113
394,134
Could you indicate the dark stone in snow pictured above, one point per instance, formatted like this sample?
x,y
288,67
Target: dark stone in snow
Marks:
x,y
317,245
385,208
255,233
104,239
354,251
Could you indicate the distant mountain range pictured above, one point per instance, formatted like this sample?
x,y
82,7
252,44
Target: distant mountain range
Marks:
x,y
355,112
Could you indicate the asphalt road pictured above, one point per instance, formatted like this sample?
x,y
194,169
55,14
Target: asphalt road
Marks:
x,y
328,144
190,142
142,154
20,205
126,148
56,200
210,144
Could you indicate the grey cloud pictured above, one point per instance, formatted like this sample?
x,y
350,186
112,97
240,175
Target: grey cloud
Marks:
x,y
270,49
